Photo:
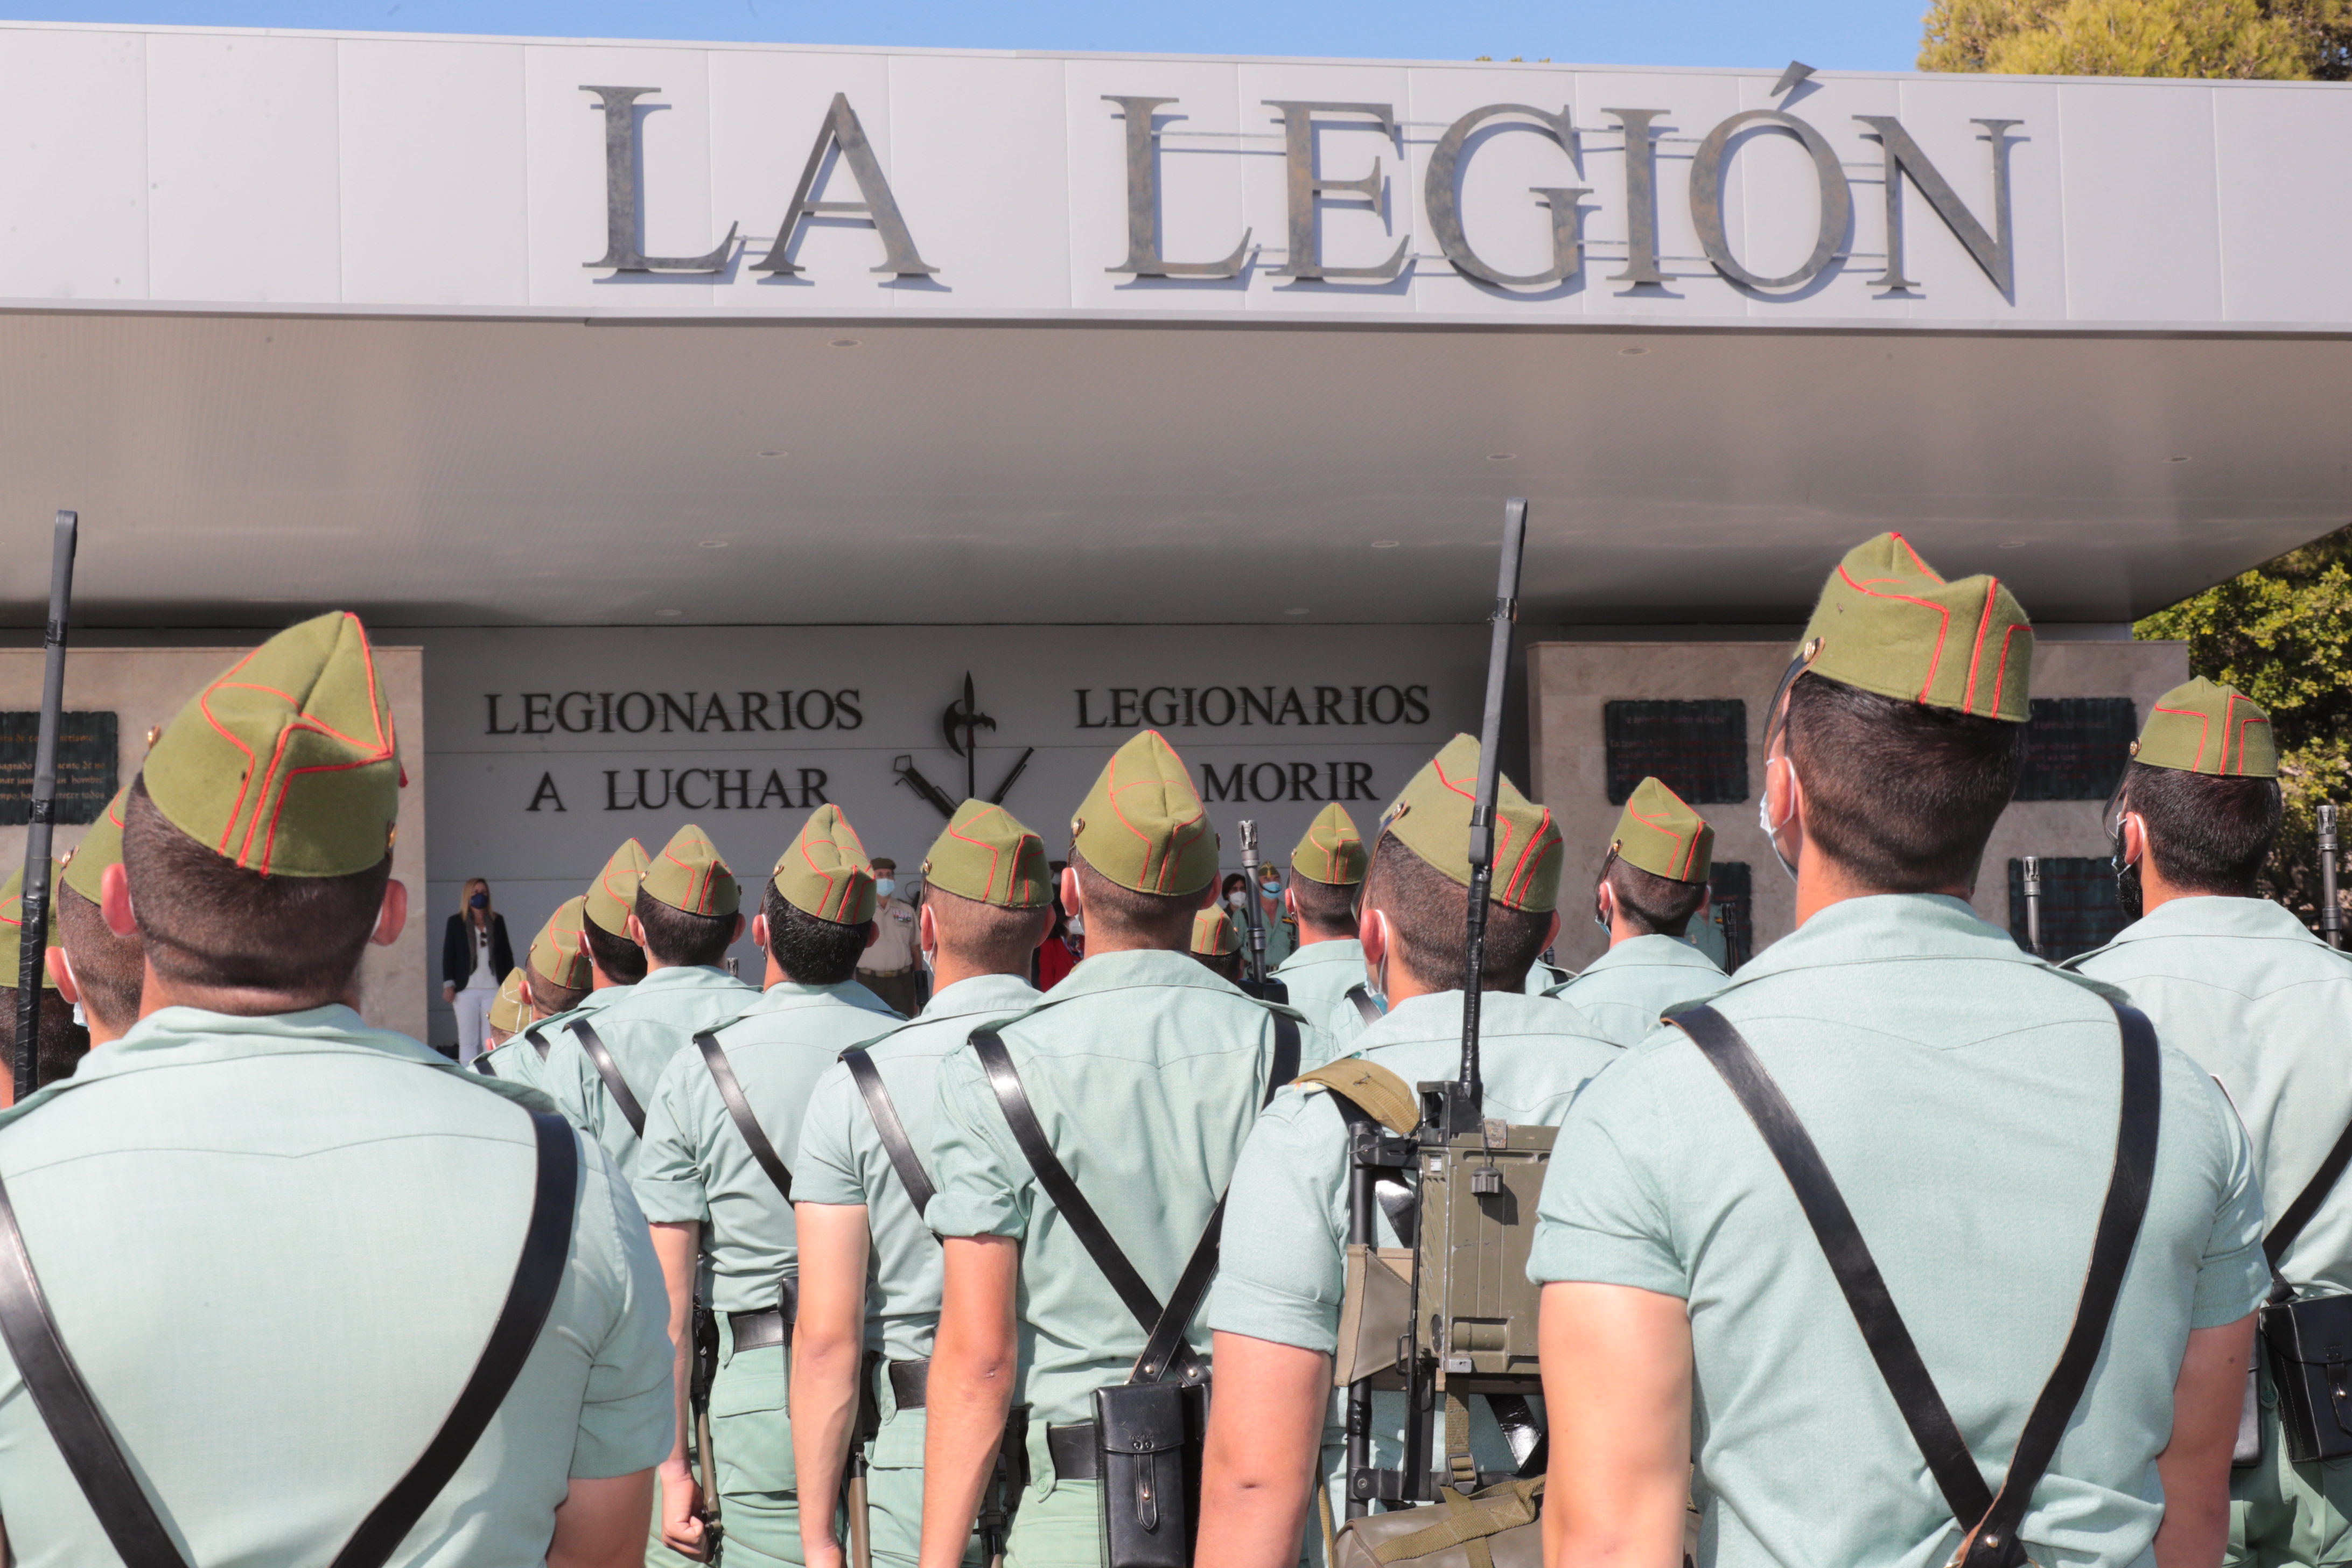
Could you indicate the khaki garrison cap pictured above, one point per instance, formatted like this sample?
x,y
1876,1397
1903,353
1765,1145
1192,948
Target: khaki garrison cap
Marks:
x,y
1214,935
824,872
614,895
2204,728
287,764
508,1014
12,924
1660,834
1431,818
1886,622
559,951
986,855
1332,852
1142,826
101,846
688,875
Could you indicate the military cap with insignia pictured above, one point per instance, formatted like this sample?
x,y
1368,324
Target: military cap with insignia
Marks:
x,y
559,953
614,894
1214,935
1431,818
1331,851
985,854
287,764
1887,623
12,928
2204,727
824,872
509,1012
688,875
1142,826
85,864
1660,834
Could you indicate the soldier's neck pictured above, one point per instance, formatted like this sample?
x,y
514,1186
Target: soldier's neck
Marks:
x,y
1822,881
158,992
951,968
1308,935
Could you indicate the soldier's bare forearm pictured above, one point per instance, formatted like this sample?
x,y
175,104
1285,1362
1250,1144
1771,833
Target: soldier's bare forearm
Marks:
x,y
973,1365
828,1351
2195,1464
1617,1389
1265,1436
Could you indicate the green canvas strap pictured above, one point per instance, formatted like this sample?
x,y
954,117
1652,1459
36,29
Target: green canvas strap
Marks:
x,y
1470,1520
1459,1461
1378,1092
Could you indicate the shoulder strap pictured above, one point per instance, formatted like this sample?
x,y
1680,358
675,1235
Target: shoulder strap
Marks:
x,y
2305,1206
1360,997
482,1064
1372,1088
739,1110
1990,1522
893,1131
97,1461
538,1041
615,1084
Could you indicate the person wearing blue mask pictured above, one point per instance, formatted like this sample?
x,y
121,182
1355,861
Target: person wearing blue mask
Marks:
x,y
474,957
890,968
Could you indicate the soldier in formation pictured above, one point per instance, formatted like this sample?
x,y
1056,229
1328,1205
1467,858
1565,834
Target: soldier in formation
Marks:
x,y
1652,884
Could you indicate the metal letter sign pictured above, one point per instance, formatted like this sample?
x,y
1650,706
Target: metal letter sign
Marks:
x,y
624,219
1641,197
1903,157
842,130
1143,258
1442,193
1706,198
1306,259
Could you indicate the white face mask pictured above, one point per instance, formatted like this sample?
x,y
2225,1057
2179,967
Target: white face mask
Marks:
x,y
1764,813
1240,901
884,887
1075,926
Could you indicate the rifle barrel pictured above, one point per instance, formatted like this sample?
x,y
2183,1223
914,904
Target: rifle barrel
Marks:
x,y
2331,911
1482,808
1252,915
35,914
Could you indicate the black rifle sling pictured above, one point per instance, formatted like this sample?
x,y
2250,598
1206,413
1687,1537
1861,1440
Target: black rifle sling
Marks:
x,y
1990,1522
482,1064
615,1084
1165,1349
1366,1008
893,1131
738,1110
2304,1208
538,1041
96,1459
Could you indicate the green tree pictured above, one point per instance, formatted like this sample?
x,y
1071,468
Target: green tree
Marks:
x,y
2285,40
2282,634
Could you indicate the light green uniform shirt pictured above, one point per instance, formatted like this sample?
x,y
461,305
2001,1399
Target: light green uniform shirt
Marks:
x,y
2266,1008
274,1247
694,1166
519,1061
843,1161
659,1016
1964,1096
1146,1071
1625,989
1319,973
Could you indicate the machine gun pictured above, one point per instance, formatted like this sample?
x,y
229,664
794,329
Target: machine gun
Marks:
x,y
2029,870
1450,1314
34,912
2331,912
1254,979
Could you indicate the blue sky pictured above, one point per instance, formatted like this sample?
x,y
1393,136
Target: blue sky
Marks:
x,y
1854,34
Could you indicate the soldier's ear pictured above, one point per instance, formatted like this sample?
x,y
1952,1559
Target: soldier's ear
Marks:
x,y
739,931
392,914
1372,932
2134,839
1070,900
114,900
61,974
759,930
1552,931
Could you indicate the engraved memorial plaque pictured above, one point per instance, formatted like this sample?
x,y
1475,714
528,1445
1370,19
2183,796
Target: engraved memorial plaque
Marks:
x,y
1699,749
86,756
2075,747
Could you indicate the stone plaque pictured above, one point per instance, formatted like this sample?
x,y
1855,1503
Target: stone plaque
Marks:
x,y
2075,747
86,753
1699,749
2079,911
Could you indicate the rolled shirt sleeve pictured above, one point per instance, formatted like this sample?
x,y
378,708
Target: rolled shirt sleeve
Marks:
x,y
1281,1274
982,1180
1603,1218
668,1180
826,1169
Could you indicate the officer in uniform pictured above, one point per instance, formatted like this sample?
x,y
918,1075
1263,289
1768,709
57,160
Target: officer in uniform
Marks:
x,y
91,967
714,1175
1652,886
685,919
61,1041
508,1012
869,1266
1327,868
888,968
2265,1007
1964,1096
1216,944
319,1334
1275,1307
1144,1072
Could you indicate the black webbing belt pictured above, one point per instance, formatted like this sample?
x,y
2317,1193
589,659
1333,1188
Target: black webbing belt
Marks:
x,y
1165,1348
1360,997
893,1131
739,1110
1990,1522
606,1068
96,1458
2303,1211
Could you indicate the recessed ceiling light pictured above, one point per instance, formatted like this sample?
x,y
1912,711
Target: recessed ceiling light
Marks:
x,y
1500,456
669,612
714,544
773,452
1632,353
842,343
2010,544
2176,459
1300,611
1386,543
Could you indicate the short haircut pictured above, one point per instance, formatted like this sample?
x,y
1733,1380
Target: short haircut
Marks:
x,y
1903,796
811,952
1432,911
675,937
61,1043
108,970
1328,909
1654,905
1146,919
617,956
2207,833
548,998
206,921
988,936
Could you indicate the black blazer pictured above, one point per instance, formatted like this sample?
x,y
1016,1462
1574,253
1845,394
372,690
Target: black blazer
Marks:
x,y
457,951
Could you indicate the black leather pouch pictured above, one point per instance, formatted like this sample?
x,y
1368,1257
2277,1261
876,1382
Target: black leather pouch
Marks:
x,y
1149,1438
2310,1345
